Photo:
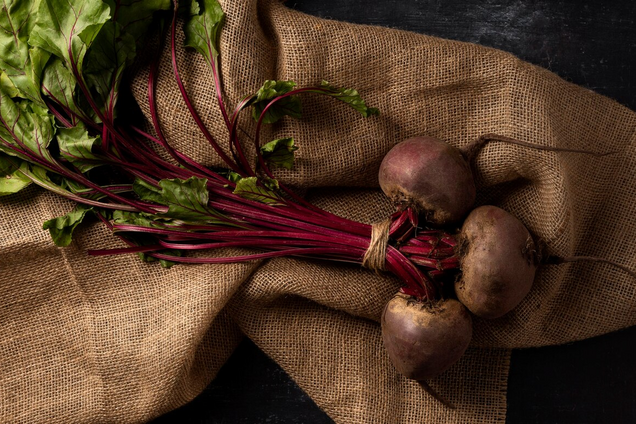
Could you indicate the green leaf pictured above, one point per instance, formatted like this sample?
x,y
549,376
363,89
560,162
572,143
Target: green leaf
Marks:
x,y
12,179
59,84
249,188
67,28
193,8
351,97
111,52
17,19
186,199
203,28
147,191
271,89
280,152
116,45
61,228
270,183
25,126
77,147
233,176
38,59
57,184
135,16
137,218
7,86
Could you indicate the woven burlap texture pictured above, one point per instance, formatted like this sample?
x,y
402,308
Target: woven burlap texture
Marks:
x,y
112,339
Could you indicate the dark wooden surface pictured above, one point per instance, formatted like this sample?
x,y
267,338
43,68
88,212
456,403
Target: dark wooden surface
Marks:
x,y
589,43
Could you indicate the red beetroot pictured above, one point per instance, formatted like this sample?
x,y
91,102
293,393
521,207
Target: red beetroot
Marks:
x,y
430,176
498,262
424,338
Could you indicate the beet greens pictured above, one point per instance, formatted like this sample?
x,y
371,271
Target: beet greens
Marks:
x,y
59,90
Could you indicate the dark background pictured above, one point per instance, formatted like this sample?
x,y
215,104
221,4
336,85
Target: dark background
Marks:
x,y
590,43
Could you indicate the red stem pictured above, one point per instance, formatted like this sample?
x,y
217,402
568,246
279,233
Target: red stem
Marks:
x,y
188,103
304,252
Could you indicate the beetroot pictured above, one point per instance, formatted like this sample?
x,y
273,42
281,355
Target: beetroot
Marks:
x,y
424,338
498,261
429,176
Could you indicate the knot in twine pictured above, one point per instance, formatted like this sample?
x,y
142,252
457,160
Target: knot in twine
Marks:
x,y
375,256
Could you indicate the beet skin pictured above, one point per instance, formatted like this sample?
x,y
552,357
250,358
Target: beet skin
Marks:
x,y
423,339
430,176
499,261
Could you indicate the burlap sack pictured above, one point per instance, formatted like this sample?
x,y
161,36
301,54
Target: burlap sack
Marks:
x,y
111,339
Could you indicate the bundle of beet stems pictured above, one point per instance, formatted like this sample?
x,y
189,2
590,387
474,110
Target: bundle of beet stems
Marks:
x,y
59,89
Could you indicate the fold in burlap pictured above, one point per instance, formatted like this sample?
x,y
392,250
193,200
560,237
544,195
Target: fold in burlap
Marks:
x,y
112,339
